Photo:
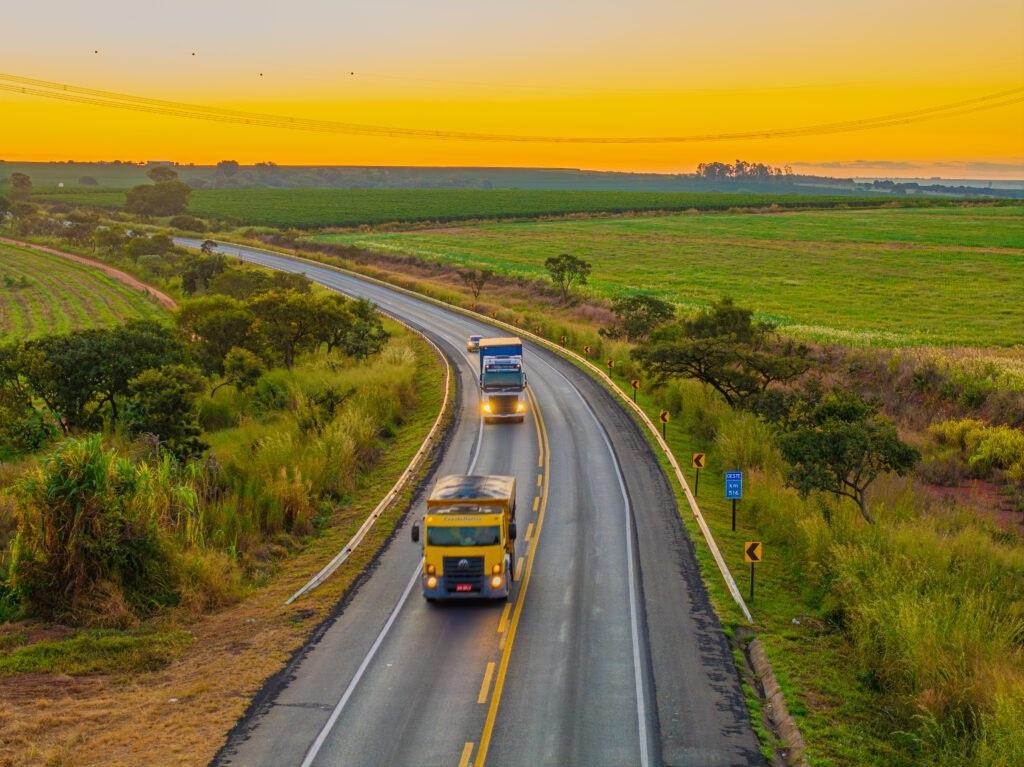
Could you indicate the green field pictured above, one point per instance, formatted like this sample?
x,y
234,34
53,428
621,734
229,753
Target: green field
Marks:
x,y
312,208
945,276
41,293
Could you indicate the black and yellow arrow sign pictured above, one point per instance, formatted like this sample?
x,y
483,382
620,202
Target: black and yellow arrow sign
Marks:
x,y
664,416
635,383
752,552
698,460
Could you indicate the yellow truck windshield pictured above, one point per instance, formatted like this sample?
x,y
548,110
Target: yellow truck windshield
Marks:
x,y
464,536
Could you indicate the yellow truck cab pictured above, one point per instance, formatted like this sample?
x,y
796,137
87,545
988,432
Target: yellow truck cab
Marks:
x,y
468,536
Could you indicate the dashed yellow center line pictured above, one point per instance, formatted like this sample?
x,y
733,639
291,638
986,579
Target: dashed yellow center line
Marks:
x,y
467,751
523,574
485,686
529,532
536,503
504,618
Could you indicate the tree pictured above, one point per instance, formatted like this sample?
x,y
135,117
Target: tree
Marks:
x,y
200,271
157,245
188,224
638,316
213,326
21,186
240,282
242,369
227,168
110,238
288,322
165,197
88,181
208,247
725,348
5,206
840,446
163,403
366,334
476,279
566,271
161,174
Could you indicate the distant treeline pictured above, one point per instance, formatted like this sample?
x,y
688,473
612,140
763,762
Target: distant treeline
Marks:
x,y
738,176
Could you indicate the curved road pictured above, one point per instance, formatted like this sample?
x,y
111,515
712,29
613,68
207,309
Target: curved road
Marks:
x,y
608,652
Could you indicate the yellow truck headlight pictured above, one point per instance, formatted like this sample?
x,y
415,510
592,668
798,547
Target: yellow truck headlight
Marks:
x,y
496,582
520,407
487,407
496,570
431,581
431,569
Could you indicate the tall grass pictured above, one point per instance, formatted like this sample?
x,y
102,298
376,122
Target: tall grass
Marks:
x,y
931,598
108,534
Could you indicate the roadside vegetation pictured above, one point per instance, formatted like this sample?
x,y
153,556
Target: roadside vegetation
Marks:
x,y
885,483
890,603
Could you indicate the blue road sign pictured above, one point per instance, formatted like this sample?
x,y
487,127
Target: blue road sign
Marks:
x,y
733,485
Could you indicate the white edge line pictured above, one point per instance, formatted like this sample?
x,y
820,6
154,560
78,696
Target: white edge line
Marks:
x,y
641,703
594,369
332,720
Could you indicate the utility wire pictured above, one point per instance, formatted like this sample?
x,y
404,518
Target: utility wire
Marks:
x,y
78,94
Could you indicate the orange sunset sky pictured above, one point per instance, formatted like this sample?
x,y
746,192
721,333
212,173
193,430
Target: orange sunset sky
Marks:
x,y
562,67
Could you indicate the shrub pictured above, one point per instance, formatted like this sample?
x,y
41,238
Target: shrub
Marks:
x,y
87,538
187,224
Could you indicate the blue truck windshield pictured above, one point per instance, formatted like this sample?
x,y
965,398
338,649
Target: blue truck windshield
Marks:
x,y
501,377
464,536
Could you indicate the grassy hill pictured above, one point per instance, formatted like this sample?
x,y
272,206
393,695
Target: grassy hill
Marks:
x,y
42,293
893,277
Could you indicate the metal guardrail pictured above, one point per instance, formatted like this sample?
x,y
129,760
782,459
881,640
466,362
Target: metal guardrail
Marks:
x,y
598,372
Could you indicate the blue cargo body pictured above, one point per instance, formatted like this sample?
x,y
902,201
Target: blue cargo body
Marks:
x,y
499,347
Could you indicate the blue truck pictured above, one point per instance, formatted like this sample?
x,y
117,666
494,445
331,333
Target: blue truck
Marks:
x,y
502,380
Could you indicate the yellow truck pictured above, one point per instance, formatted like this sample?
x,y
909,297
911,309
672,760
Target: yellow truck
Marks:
x,y
468,536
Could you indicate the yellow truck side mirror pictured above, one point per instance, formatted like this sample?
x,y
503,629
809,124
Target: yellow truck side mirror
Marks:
x,y
415,532
512,531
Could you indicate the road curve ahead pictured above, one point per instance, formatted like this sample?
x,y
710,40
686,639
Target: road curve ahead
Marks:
x,y
608,653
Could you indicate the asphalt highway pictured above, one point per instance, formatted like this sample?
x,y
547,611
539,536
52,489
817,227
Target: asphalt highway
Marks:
x,y
608,652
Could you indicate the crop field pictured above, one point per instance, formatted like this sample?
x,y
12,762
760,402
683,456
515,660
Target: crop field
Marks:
x,y
42,293
314,208
946,276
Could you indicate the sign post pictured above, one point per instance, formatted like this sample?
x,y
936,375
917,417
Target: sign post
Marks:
x,y
664,416
733,491
752,553
698,464
586,350
564,339
635,383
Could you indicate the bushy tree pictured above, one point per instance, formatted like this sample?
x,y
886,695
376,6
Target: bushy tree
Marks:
x,y
841,445
567,271
156,245
110,238
638,316
21,186
200,271
165,197
213,326
365,334
187,224
242,369
287,322
727,349
163,403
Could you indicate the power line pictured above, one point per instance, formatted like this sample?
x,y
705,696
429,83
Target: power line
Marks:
x,y
110,99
